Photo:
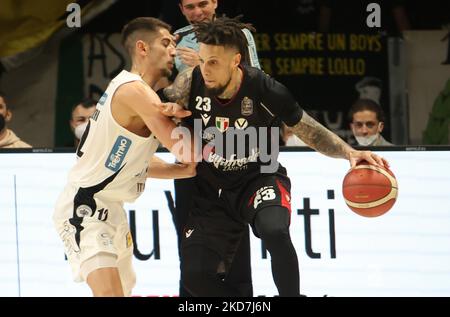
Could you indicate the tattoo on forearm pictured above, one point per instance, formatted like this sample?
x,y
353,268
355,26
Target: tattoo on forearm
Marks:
x,y
179,91
320,138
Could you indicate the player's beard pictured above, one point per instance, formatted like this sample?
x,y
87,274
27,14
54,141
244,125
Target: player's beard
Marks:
x,y
217,91
166,72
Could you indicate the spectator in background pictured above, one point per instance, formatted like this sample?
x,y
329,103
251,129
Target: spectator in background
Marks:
x,y
8,139
187,48
367,122
80,117
170,11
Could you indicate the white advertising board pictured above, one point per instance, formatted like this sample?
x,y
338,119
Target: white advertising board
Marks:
x,y
405,252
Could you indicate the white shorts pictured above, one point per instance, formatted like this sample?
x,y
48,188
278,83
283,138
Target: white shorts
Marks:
x,y
95,239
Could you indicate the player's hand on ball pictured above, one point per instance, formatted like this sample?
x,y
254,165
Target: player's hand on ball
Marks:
x,y
357,156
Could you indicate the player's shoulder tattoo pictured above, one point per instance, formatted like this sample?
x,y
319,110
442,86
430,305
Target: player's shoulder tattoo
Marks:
x,y
179,90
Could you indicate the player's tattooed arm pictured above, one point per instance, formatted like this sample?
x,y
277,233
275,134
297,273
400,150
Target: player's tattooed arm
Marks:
x,y
321,139
179,90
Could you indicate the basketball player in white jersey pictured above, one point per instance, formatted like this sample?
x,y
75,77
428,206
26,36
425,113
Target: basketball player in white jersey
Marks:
x,y
114,157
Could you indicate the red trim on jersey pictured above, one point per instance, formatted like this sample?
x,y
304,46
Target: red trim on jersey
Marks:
x,y
251,199
285,197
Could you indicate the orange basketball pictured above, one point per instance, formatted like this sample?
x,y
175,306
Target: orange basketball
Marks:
x,y
368,190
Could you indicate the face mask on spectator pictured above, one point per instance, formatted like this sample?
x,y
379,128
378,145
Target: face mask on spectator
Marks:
x,y
2,122
366,140
79,130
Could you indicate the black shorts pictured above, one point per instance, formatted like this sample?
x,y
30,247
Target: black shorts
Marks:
x,y
220,216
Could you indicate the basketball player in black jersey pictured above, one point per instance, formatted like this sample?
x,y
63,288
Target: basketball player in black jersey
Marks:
x,y
236,182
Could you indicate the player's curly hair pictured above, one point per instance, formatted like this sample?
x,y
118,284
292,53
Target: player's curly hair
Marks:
x,y
224,31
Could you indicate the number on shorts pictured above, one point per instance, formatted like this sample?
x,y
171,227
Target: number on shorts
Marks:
x,y
263,194
102,214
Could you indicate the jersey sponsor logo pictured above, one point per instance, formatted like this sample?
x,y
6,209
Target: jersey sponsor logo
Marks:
x,y
222,124
241,123
231,164
118,153
205,118
83,211
189,232
247,106
264,194
103,99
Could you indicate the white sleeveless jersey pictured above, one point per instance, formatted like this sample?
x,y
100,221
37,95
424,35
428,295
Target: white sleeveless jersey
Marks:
x,y
112,161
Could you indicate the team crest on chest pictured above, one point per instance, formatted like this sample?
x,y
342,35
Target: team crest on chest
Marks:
x,y
247,106
241,123
222,124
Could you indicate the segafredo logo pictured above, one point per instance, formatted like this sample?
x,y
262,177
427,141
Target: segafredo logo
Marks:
x,y
118,153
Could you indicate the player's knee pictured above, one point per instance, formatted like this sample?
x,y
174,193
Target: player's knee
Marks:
x,y
273,232
272,223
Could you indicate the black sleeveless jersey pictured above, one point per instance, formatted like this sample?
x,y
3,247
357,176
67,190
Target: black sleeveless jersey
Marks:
x,y
238,134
